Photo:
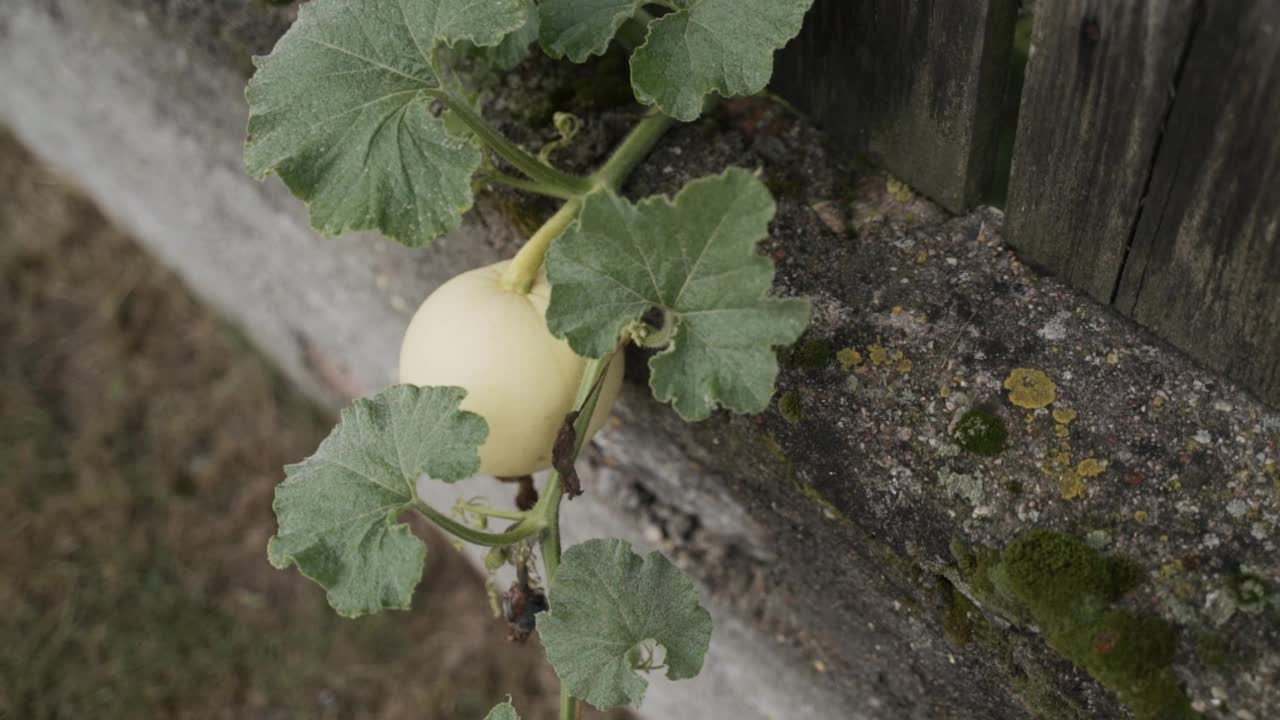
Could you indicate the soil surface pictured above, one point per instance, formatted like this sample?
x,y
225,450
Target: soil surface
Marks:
x,y
141,440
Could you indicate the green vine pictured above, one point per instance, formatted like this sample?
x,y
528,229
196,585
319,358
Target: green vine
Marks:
x,y
508,369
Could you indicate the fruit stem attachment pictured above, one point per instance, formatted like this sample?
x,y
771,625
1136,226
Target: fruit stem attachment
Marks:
x,y
521,274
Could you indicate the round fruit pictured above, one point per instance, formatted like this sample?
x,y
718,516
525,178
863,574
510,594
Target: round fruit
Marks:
x,y
473,333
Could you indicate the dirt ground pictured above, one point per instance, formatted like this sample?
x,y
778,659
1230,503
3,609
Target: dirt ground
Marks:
x,y
140,440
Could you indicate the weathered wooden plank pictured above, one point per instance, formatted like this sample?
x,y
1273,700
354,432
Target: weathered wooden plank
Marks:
x,y
1204,268
1096,93
915,85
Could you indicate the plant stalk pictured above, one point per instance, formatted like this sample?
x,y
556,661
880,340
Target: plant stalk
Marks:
x,y
548,507
632,150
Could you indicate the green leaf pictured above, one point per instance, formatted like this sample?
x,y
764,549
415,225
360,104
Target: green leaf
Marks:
x,y
514,48
704,46
337,510
582,28
606,601
721,46
505,711
340,110
695,259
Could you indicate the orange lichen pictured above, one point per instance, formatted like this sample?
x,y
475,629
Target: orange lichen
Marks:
x,y
1030,388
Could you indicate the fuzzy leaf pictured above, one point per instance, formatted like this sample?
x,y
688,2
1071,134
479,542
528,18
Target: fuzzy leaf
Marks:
x,y
607,600
505,711
721,46
695,259
582,28
704,46
340,110
337,510
514,48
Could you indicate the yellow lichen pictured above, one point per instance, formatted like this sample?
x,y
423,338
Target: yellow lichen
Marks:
x,y
849,358
1113,358
879,356
1071,486
922,257
1170,569
1064,416
1090,467
1061,431
903,366
1030,388
1141,516
897,189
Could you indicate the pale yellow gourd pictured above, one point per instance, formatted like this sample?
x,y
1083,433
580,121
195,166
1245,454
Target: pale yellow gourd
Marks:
x,y
473,333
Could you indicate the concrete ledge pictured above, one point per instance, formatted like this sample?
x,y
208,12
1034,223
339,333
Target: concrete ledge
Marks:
x,y
837,536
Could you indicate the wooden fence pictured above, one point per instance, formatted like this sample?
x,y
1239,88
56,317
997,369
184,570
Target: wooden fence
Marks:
x,y
1135,144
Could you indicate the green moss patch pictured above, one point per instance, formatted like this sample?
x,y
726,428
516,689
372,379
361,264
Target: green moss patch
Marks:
x,y
789,406
980,432
809,354
1070,591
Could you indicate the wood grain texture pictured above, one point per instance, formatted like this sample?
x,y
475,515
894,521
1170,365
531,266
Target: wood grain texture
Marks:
x,y
1204,268
914,85
1097,91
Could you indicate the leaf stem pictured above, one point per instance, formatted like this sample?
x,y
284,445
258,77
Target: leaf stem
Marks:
x,y
521,274
538,171
530,186
528,526
493,512
568,705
